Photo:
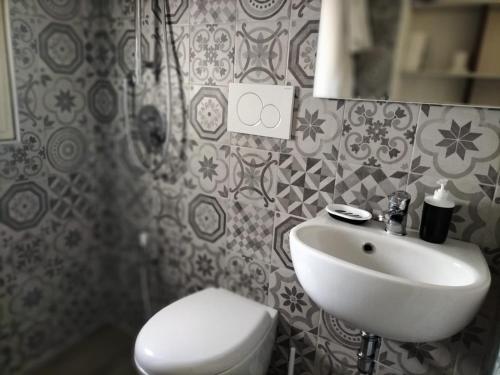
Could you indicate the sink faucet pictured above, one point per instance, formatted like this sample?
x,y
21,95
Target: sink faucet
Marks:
x,y
395,217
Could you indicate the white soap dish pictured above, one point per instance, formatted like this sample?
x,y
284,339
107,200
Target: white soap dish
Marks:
x,y
347,213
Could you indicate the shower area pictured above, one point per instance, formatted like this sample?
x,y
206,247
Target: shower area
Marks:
x,y
92,194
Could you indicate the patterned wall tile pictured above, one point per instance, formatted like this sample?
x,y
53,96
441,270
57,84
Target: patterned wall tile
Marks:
x,y
61,48
379,134
207,218
417,358
367,187
211,54
103,101
203,11
23,205
305,185
261,52
71,196
302,56
283,223
64,99
454,142
67,149
181,42
247,277
209,168
471,212
340,332
305,351
61,10
208,113
250,231
178,12
259,10
317,127
333,358
295,307
101,52
24,160
253,176
256,141
309,9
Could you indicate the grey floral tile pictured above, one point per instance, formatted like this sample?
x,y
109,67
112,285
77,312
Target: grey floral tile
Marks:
x,y
417,358
24,39
208,113
305,185
24,160
24,204
471,212
302,55
61,47
207,263
454,142
306,9
203,11
67,149
283,223
71,196
209,168
61,12
207,218
367,187
379,134
64,100
211,54
257,10
316,127
247,277
250,231
305,350
286,295
339,331
333,358
256,141
261,52
253,176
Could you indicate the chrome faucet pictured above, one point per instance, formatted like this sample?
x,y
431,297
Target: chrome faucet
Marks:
x,y
395,217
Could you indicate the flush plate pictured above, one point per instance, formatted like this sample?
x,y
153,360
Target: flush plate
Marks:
x,y
260,110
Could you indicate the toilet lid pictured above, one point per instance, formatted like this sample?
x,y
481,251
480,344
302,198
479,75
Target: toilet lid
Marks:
x,y
205,333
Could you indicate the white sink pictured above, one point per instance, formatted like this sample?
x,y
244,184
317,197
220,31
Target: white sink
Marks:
x,y
406,289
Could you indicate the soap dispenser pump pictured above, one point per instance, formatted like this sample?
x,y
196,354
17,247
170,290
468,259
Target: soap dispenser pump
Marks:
x,y
436,215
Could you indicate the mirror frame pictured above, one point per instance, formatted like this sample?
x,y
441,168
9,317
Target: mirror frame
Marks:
x,y
9,57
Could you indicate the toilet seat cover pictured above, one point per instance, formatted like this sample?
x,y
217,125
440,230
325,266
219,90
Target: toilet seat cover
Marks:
x,y
205,333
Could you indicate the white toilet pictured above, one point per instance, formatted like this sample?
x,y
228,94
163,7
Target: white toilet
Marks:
x,y
209,332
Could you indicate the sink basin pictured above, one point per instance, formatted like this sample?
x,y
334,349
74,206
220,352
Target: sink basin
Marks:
x,y
400,288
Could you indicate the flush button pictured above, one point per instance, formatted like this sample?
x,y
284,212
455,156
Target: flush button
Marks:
x,y
270,116
249,109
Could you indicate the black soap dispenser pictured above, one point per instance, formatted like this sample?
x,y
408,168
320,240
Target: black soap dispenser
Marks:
x,y
436,215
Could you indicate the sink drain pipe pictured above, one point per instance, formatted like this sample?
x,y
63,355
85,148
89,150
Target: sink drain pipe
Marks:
x,y
367,352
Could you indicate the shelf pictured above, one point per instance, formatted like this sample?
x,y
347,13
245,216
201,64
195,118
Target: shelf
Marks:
x,y
450,75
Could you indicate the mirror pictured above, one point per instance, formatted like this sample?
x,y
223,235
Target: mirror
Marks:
x,y
431,51
8,113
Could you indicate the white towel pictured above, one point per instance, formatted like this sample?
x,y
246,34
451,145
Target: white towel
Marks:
x,y
343,30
